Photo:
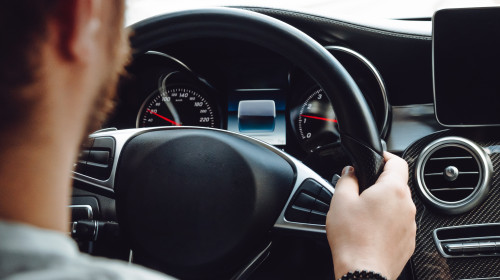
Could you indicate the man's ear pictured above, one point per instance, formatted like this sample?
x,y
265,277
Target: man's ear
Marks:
x,y
76,24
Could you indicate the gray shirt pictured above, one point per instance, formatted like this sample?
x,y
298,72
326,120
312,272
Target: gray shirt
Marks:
x,y
30,253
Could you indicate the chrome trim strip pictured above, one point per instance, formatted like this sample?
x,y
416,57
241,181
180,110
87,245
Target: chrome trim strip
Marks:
x,y
90,212
96,230
450,158
450,189
302,171
72,227
131,256
378,77
169,57
253,265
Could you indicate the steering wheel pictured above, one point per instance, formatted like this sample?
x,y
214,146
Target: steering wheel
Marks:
x,y
200,203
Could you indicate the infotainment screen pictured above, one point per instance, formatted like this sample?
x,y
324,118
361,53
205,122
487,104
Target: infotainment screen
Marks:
x,y
466,66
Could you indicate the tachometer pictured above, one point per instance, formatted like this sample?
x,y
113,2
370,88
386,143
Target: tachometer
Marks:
x,y
317,124
314,120
176,106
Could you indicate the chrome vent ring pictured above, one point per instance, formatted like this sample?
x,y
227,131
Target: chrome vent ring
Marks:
x,y
453,175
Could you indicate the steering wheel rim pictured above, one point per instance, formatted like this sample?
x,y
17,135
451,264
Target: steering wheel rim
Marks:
x,y
359,135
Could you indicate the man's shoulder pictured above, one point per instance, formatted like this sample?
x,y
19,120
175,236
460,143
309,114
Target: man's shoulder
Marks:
x,y
28,252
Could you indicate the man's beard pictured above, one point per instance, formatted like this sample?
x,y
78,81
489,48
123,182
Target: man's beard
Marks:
x,y
104,103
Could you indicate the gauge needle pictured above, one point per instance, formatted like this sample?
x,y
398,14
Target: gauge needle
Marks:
x,y
319,118
162,117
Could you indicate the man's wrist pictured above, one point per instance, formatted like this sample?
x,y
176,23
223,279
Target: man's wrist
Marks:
x,y
346,265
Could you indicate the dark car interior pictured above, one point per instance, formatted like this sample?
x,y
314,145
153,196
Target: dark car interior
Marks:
x,y
233,124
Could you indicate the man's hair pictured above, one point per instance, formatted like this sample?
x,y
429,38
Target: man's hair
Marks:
x,y
23,24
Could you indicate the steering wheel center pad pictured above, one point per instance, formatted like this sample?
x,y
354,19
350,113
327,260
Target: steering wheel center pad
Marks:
x,y
199,200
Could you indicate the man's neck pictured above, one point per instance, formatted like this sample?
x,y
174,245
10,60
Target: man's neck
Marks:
x,y
35,170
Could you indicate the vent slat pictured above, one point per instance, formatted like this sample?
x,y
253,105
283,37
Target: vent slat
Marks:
x,y
459,173
463,165
451,189
468,173
449,158
434,174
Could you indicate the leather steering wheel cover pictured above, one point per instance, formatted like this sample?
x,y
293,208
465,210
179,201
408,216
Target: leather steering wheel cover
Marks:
x,y
359,133
355,118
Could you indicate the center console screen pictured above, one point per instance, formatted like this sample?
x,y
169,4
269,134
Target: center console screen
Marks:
x,y
466,66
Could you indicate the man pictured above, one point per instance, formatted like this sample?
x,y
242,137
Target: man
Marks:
x,y
60,60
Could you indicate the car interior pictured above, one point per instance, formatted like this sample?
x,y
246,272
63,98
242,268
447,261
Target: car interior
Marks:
x,y
233,124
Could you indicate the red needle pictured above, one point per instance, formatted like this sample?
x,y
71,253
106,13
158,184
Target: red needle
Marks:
x,y
162,117
319,118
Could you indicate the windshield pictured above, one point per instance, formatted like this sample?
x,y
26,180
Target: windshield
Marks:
x,y
387,9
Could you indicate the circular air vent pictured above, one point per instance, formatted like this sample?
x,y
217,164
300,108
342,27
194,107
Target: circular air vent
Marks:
x,y
453,174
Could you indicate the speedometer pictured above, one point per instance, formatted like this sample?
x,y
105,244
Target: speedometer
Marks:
x,y
177,106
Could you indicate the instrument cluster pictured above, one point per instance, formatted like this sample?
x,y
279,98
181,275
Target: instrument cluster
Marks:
x,y
246,90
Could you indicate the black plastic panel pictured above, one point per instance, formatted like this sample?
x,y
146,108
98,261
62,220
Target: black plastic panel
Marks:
x,y
96,157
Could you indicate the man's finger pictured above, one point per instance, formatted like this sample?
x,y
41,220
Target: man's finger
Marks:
x,y
347,186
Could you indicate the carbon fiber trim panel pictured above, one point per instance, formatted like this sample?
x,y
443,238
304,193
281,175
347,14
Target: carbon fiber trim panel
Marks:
x,y
427,262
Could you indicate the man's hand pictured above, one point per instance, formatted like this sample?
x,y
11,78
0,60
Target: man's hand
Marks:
x,y
375,230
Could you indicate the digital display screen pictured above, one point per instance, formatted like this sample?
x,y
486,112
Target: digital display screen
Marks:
x,y
259,113
466,66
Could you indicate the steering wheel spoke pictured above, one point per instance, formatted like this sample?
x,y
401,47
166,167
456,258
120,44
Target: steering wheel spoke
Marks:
x,y
308,204
100,173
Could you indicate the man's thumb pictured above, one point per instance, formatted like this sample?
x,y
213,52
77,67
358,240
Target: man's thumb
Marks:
x,y
347,186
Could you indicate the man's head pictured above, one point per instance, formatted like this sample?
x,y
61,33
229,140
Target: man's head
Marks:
x,y
59,65
50,46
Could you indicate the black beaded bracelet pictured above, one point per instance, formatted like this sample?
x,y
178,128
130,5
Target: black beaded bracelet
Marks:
x,y
370,275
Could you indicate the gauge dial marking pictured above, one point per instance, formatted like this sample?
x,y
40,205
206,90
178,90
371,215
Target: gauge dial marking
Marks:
x,y
319,118
162,117
314,134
